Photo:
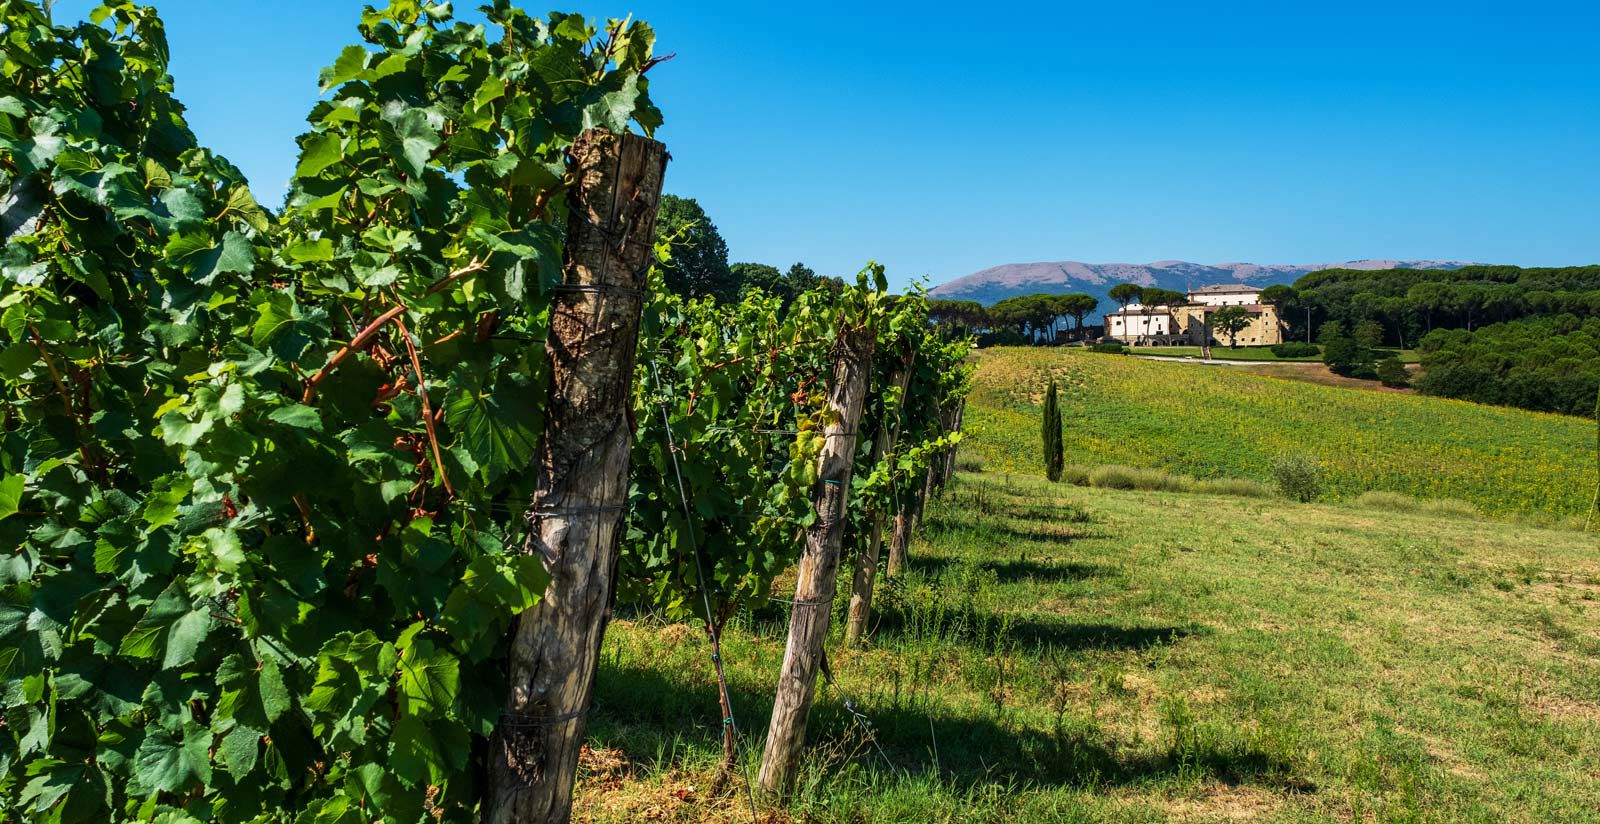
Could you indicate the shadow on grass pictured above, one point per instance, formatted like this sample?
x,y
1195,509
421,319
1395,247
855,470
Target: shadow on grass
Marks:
x,y
996,532
651,716
893,621
1023,568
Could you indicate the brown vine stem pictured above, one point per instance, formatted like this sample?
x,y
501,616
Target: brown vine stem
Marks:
x,y
79,420
427,411
365,336
475,266
305,517
356,344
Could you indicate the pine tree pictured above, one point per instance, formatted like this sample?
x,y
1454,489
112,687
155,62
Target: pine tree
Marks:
x,y
1051,434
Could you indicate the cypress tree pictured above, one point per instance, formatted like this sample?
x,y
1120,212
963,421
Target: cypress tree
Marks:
x,y
1595,507
1051,434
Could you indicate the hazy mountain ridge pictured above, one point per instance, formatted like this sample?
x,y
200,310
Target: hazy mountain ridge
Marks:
x,y
1060,277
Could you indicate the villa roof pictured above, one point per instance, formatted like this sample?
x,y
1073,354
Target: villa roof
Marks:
x,y
1224,289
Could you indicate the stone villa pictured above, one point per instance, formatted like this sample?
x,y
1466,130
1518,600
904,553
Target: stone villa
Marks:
x,y
1185,325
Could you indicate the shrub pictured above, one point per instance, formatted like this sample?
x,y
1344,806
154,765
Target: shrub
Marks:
x,y
1299,478
1113,476
1296,350
1075,474
968,462
1386,500
1393,373
1110,348
1450,507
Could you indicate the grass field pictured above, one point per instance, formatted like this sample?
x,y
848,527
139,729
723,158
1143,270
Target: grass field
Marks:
x,y
1211,422
1062,654
1253,353
1073,654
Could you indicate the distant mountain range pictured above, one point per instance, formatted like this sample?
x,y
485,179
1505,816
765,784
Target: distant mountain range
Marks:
x,y
1001,282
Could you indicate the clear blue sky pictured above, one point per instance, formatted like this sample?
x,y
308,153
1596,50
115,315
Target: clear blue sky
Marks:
x,y
940,138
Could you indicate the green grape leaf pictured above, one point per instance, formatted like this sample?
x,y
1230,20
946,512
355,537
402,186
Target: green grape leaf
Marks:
x,y
352,61
166,762
11,495
494,421
430,677
318,152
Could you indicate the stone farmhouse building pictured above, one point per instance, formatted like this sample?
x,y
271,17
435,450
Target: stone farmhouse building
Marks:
x,y
1186,325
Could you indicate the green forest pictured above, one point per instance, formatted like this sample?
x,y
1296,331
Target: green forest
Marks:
x,y
1525,337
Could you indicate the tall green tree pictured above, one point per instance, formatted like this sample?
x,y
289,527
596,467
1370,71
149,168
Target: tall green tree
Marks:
x,y
1153,296
1286,299
1595,507
1126,293
1230,321
1343,352
1050,434
699,266
1077,305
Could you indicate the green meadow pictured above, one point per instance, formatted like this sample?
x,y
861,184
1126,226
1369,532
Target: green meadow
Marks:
x,y
1216,422
1061,653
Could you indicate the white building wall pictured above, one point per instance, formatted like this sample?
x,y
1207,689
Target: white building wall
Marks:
x,y
1123,325
1234,299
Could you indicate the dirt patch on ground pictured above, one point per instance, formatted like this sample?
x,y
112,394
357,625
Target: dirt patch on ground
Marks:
x,y
604,797
1319,373
1562,708
1223,803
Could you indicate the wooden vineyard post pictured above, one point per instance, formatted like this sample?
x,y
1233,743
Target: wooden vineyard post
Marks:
x,y
900,535
866,571
581,476
819,566
950,451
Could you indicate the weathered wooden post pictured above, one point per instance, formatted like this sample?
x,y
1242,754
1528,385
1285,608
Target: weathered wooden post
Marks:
x,y
950,451
575,519
900,535
819,566
866,570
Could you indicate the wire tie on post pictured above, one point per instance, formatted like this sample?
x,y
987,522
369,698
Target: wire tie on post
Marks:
x,y
599,289
512,719
579,510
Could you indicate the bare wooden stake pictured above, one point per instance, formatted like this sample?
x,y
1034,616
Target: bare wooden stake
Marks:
x,y
866,570
581,487
819,567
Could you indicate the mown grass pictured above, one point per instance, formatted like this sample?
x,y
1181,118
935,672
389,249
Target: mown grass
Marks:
x,y
1061,653
1215,422
1255,353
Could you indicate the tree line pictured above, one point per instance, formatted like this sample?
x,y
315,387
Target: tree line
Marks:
x,y
1410,303
1494,334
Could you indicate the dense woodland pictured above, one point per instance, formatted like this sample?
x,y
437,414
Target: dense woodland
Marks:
x,y
1494,334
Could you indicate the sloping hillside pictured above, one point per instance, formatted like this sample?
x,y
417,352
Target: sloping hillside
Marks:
x,y
1060,277
1218,422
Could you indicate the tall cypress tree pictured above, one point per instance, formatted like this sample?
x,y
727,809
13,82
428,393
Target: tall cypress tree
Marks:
x,y
1594,508
1051,434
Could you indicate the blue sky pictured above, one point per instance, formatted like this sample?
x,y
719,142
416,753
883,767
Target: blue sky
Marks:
x,y
940,138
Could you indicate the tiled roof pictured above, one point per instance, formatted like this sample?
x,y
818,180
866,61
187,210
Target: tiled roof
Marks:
x,y
1223,289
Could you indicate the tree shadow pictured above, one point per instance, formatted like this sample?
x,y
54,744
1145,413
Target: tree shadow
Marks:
x,y
895,621
649,714
1023,568
989,532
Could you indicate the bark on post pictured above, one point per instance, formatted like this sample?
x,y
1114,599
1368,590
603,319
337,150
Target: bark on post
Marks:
x,y
581,470
900,539
866,571
819,567
950,451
